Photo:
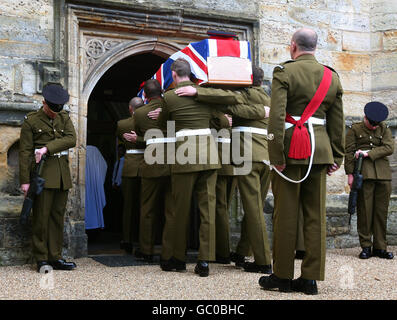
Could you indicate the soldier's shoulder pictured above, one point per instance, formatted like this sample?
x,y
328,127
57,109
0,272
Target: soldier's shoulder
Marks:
x,y
284,65
332,69
31,115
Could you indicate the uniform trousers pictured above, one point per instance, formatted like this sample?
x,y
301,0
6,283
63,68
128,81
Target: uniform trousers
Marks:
x,y
156,206
131,187
47,224
288,197
253,189
372,208
225,187
202,183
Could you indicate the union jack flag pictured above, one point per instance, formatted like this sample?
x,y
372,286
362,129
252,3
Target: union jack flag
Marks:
x,y
196,54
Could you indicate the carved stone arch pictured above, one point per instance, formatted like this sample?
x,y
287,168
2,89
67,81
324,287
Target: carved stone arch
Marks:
x,y
120,52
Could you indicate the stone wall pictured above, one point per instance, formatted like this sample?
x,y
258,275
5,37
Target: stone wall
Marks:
x,y
357,37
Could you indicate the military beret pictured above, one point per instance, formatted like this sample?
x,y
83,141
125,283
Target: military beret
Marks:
x,y
376,111
55,96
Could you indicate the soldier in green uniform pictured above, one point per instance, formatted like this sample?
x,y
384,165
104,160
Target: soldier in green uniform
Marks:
x,y
156,201
48,131
291,153
194,170
254,185
131,182
374,140
225,186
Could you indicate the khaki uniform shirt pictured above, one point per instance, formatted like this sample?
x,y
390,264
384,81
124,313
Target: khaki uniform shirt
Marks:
x,y
131,161
142,124
294,85
38,131
190,114
380,144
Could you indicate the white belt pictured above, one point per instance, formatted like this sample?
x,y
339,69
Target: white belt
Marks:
x,y
250,129
160,140
135,151
223,140
313,120
191,132
62,153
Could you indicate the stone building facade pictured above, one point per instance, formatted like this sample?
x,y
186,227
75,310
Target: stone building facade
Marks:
x,y
79,42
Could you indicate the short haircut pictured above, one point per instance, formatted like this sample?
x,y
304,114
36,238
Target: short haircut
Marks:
x,y
135,103
257,76
152,88
305,39
181,67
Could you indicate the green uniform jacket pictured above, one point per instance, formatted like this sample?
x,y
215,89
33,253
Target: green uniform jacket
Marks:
x,y
294,84
247,107
380,144
219,122
190,114
132,161
142,124
38,131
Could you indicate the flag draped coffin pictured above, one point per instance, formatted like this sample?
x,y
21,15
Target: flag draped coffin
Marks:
x,y
212,61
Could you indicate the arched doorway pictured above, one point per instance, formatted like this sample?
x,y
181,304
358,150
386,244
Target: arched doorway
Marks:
x,y
107,104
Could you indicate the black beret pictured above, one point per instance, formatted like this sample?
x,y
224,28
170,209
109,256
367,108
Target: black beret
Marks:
x,y
55,94
376,111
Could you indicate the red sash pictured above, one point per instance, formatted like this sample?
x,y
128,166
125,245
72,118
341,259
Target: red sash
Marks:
x,y
300,141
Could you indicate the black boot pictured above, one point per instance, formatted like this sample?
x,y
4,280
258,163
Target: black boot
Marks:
x,y
253,267
222,260
304,285
202,268
238,259
173,264
143,256
61,264
382,254
365,253
273,282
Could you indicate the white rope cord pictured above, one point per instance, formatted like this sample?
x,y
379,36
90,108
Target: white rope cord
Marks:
x,y
311,131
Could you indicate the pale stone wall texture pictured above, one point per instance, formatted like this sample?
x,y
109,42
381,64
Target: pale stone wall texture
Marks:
x,y
358,38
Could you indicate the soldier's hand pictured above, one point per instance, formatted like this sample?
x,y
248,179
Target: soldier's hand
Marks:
x,y
186,91
365,154
350,179
280,167
267,111
38,153
229,118
131,137
332,169
25,188
154,114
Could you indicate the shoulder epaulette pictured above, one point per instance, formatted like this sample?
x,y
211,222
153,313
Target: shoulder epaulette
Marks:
x,y
281,65
332,69
30,114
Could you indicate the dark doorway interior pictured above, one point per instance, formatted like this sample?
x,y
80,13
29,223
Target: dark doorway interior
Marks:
x,y
107,104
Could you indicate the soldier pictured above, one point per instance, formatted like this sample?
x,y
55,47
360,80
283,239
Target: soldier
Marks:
x,y
253,187
196,162
156,202
374,140
48,131
304,162
131,182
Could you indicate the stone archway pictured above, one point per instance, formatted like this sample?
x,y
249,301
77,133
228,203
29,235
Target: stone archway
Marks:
x,y
97,39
